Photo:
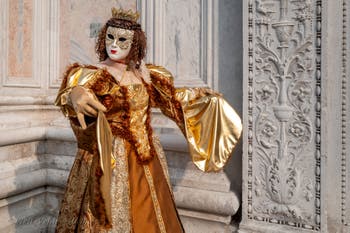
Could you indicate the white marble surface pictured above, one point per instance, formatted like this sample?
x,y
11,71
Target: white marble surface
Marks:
x,y
183,38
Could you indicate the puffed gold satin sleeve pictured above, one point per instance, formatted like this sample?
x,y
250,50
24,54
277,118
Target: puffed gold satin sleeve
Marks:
x,y
212,126
74,76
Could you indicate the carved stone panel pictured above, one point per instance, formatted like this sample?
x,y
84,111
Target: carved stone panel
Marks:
x,y
283,106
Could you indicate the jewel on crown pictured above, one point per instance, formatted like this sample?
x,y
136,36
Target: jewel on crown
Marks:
x,y
126,15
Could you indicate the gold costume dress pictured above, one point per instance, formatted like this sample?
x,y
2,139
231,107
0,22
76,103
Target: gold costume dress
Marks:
x,y
119,181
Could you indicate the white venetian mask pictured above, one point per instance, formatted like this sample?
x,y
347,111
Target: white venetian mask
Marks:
x,y
118,43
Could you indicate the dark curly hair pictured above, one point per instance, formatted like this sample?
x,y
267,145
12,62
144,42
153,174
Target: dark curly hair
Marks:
x,y
138,46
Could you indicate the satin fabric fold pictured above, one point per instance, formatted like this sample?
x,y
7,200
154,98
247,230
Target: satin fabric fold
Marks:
x,y
212,128
104,143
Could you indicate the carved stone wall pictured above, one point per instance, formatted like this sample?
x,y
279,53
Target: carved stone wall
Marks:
x,y
296,156
282,147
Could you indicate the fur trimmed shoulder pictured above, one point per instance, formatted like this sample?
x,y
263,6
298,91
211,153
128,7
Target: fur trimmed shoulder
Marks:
x,y
161,79
85,75
73,67
76,64
159,73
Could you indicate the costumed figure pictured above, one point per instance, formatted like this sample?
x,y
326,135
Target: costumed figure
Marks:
x,y
119,181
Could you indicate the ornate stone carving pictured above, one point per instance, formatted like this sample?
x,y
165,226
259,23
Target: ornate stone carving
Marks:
x,y
284,112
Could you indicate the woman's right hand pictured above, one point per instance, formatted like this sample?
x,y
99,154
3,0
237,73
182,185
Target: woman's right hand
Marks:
x,y
85,103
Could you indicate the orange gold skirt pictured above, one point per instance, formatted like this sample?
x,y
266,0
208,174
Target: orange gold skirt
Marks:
x,y
142,200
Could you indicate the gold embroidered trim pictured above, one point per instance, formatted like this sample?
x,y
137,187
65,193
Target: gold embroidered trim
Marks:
x,y
120,190
154,199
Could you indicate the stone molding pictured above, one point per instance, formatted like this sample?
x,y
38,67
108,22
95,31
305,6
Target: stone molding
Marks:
x,y
54,80
41,17
23,135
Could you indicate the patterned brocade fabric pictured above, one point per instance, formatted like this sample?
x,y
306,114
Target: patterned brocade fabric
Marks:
x,y
120,190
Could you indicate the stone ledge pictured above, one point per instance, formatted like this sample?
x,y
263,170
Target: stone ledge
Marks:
x,y
27,100
196,225
219,203
19,151
263,227
22,183
25,117
24,135
198,179
21,166
204,216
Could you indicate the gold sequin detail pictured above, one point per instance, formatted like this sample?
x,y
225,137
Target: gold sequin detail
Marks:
x,y
154,199
120,190
138,116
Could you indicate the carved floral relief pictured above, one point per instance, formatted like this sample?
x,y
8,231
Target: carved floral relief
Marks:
x,y
283,112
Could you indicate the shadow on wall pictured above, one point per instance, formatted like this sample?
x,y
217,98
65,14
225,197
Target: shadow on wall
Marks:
x,y
230,68
35,189
25,190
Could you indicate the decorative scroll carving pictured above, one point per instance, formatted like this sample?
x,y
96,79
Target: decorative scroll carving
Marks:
x,y
284,107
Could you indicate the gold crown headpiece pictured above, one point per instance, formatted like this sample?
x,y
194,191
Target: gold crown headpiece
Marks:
x,y
126,15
